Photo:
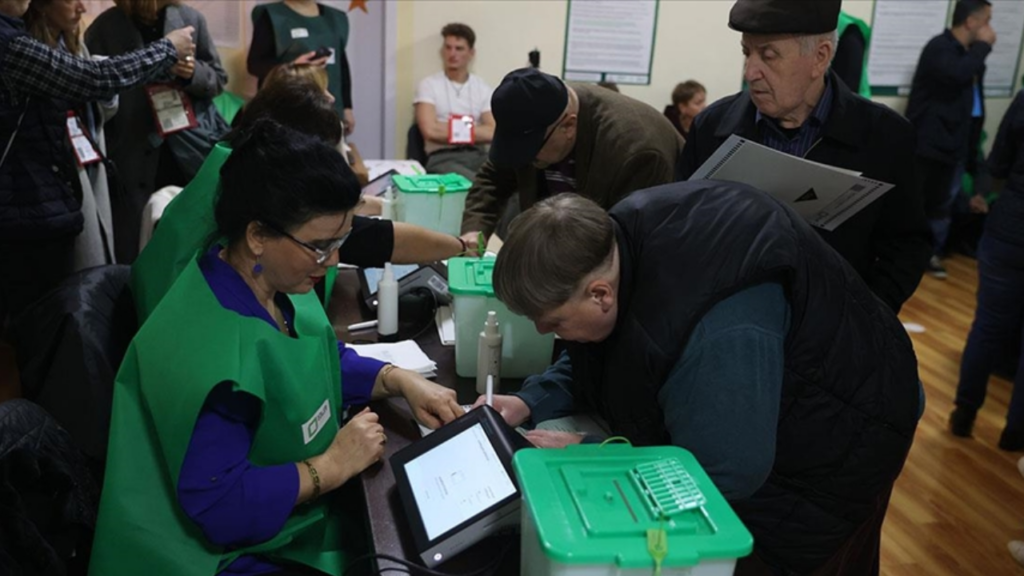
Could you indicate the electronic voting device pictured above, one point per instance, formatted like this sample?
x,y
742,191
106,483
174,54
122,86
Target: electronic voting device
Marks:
x,y
457,485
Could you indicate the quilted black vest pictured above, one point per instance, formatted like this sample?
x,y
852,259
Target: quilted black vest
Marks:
x,y
850,392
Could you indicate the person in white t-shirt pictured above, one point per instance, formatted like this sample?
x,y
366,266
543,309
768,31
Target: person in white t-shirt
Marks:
x,y
453,108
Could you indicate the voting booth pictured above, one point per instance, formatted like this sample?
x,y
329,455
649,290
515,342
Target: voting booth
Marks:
x,y
524,351
591,510
434,201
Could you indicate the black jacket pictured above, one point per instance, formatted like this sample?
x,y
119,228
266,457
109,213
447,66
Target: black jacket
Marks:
x,y
40,194
850,390
1006,220
942,97
889,242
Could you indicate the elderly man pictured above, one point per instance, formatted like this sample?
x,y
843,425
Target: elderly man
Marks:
x,y
797,106
552,137
766,356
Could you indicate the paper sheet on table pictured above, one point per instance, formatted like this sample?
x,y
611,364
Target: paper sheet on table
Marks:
x,y
406,354
824,195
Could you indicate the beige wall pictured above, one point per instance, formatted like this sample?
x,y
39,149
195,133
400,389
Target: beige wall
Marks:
x,y
693,41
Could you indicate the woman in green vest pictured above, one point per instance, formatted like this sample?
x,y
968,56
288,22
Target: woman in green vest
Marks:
x,y
293,31
226,444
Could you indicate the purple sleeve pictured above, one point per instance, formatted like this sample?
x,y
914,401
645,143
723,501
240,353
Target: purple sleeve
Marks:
x,y
357,376
232,501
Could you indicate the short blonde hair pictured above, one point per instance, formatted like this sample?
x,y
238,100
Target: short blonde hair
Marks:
x,y
290,70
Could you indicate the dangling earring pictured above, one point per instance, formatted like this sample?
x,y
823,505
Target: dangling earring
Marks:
x,y
258,268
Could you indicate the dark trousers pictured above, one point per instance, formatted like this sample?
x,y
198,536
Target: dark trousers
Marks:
x,y
936,180
998,325
30,269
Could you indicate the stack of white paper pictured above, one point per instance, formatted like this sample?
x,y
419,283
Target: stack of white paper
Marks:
x,y
406,354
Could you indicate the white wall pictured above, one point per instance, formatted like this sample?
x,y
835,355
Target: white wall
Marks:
x,y
693,41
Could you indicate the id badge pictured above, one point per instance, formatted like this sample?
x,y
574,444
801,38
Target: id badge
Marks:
x,y
85,152
460,130
171,107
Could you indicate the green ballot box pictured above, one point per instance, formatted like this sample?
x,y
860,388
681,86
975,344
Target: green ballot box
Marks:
x,y
433,201
591,510
524,351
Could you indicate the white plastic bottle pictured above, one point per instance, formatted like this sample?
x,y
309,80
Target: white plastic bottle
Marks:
x,y
387,207
488,353
387,304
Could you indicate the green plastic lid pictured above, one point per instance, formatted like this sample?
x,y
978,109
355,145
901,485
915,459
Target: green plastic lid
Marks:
x,y
617,505
432,184
471,276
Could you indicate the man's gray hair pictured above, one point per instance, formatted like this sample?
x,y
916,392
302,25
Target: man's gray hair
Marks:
x,y
550,249
809,44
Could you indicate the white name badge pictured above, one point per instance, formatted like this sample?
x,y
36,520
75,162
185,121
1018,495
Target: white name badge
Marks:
x,y
460,130
171,108
331,59
314,425
300,33
85,152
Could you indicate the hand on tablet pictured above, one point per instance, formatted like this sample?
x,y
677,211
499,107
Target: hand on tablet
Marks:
x,y
432,405
512,408
551,439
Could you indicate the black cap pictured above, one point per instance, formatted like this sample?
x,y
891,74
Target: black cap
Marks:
x,y
525,103
785,16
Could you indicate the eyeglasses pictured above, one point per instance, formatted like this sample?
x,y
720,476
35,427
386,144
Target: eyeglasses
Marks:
x,y
322,254
552,133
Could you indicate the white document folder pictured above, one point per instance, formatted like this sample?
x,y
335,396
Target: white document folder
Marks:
x,y
824,195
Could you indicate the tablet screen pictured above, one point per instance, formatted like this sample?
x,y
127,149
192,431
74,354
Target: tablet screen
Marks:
x,y
373,275
458,480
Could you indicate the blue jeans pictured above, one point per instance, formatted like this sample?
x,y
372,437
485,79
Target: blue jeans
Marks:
x,y
998,325
940,224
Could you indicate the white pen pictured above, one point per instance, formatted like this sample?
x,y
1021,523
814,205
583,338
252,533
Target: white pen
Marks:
x,y
490,390
362,326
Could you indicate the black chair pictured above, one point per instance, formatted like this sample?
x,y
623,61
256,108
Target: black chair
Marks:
x,y
415,145
69,345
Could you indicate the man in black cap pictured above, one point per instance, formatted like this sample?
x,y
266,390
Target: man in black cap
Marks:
x,y
552,137
795,104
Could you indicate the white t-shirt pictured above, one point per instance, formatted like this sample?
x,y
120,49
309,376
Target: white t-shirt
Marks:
x,y
472,98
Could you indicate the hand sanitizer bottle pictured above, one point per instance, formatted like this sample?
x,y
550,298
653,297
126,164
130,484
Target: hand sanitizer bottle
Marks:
x,y
387,305
488,353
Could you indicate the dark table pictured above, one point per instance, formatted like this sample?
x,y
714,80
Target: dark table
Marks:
x,y
389,531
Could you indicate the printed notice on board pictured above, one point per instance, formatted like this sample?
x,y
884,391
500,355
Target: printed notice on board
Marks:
x,y
610,40
825,196
900,29
1002,63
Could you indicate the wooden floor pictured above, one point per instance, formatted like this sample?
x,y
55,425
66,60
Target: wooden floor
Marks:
x,y
958,500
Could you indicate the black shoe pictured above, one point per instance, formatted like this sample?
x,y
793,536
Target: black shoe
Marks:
x,y
1012,440
961,421
936,269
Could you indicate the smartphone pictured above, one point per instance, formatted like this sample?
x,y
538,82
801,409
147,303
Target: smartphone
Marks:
x,y
321,52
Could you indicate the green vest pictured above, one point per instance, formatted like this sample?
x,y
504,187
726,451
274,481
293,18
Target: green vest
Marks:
x,y
295,35
183,232
845,20
188,346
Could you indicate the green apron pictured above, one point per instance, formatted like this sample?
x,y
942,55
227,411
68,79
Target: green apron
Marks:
x,y
295,35
188,346
845,20
184,230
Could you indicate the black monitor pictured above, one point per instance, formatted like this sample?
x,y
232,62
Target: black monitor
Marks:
x,y
457,485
